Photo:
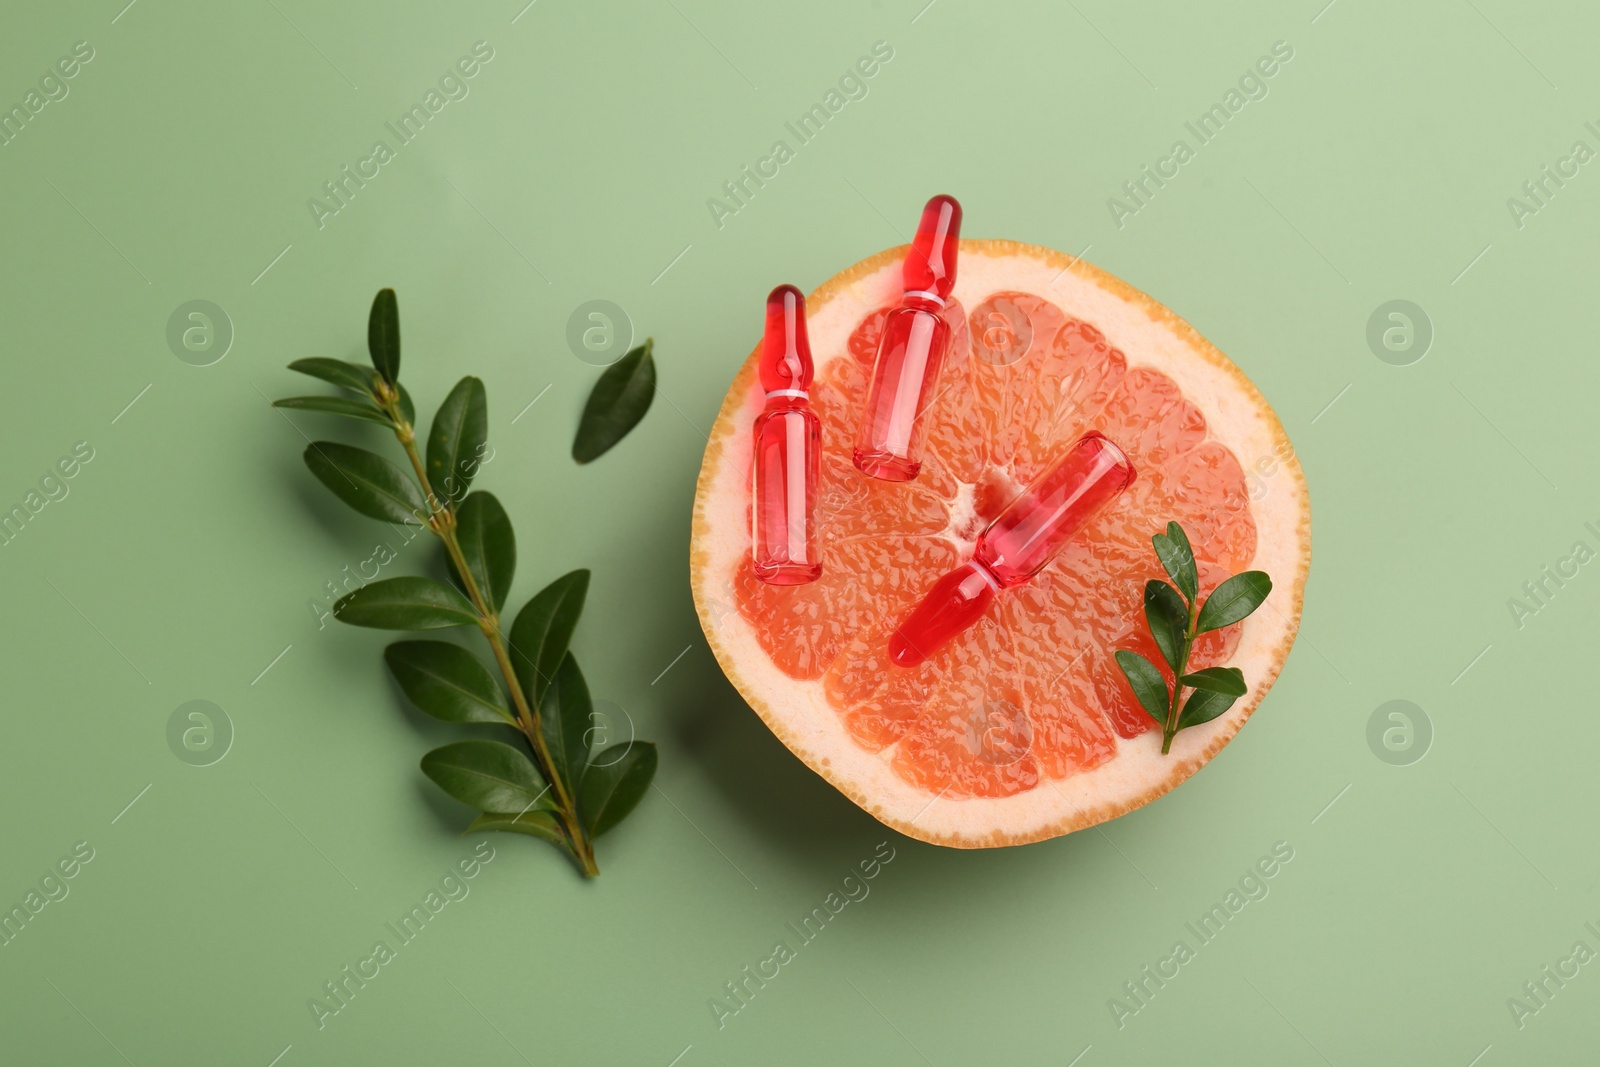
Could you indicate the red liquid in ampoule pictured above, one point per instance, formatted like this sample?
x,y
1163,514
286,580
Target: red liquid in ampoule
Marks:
x,y
788,448
1016,545
911,350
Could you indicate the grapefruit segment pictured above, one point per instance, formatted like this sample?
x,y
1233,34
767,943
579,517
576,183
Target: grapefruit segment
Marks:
x,y
1009,332
1076,376
1023,727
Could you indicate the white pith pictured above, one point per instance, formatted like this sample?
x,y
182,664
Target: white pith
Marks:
x,y
798,711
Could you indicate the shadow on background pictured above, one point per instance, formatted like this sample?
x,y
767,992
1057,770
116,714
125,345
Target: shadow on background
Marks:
x,y
824,834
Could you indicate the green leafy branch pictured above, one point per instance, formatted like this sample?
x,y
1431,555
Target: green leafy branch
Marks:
x,y
1176,616
565,794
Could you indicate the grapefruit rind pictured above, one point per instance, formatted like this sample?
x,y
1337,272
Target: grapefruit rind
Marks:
x,y
798,712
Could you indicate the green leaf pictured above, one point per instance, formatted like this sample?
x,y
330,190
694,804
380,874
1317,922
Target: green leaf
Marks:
x,y
335,405
1233,600
619,400
383,335
1168,617
1147,684
456,441
536,823
564,719
489,775
405,604
542,631
484,532
1172,548
1226,680
367,482
614,784
1204,705
447,682
352,376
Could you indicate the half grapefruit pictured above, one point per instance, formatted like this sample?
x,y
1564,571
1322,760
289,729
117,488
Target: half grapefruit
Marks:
x,y
1023,728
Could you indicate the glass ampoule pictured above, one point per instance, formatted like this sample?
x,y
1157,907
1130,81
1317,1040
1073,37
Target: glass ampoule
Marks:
x,y
788,449
1016,545
911,350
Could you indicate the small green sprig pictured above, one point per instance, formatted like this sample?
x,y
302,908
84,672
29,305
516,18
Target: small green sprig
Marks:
x,y
565,794
1176,616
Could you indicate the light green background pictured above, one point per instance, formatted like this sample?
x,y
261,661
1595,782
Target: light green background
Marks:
x,y
188,551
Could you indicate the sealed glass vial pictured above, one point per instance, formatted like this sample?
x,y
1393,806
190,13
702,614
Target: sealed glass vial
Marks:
x,y
787,450
911,350
1016,545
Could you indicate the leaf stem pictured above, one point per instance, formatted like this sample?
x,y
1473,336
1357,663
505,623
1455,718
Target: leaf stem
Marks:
x,y
442,522
1170,729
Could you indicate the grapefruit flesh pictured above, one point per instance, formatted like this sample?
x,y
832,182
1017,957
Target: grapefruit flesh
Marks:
x,y
1023,727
